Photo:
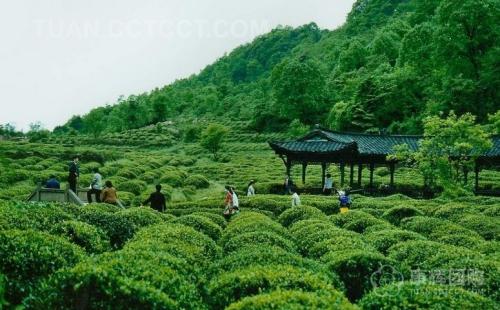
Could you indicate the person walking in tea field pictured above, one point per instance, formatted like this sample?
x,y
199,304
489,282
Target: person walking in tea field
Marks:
x,y
236,202
295,198
74,174
157,200
231,201
251,189
95,187
52,183
328,187
109,194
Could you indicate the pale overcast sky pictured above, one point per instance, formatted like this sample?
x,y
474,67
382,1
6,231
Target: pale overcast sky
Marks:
x,y
59,58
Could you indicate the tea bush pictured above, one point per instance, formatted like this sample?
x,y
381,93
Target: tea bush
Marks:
x,y
339,243
290,216
487,227
233,286
262,255
237,242
120,281
197,181
216,218
135,187
37,216
118,228
27,256
396,214
196,246
287,299
92,239
359,269
414,295
201,224
384,239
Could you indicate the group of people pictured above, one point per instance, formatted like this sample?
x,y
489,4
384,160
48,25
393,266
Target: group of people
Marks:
x,y
157,200
343,195
107,193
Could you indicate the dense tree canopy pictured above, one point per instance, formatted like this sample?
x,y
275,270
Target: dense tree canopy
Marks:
x,y
391,65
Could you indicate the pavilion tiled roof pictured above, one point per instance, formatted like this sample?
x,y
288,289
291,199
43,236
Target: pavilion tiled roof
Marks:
x,y
321,141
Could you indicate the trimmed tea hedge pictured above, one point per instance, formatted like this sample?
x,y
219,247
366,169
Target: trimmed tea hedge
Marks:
x,y
297,300
28,256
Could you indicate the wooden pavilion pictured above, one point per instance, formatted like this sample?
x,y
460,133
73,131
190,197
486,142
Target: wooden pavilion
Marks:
x,y
322,147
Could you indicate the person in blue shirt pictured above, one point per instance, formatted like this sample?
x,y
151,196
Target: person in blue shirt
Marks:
x,y
53,183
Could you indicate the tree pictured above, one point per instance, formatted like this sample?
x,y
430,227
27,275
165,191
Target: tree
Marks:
x,y
37,132
213,137
448,150
298,89
95,122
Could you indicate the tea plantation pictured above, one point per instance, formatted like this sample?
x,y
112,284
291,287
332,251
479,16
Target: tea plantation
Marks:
x,y
387,252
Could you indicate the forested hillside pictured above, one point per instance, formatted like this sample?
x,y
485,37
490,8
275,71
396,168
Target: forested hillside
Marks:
x,y
392,63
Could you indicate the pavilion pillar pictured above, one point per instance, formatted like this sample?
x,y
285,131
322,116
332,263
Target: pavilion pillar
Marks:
x,y
351,175
476,178
288,165
392,168
466,175
304,167
360,174
372,168
323,172
342,173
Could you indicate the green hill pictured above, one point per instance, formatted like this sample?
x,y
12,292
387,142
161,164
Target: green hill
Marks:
x,y
391,64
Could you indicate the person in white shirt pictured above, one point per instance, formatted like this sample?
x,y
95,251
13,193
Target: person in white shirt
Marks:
x,y
295,198
95,187
328,187
236,202
251,189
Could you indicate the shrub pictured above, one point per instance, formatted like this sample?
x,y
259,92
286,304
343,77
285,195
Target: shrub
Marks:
x,y
118,228
198,248
396,214
293,300
198,181
120,281
413,295
462,240
359,269
150,176
339,243
427,254
28,256
343,219
232,286
237,242
141,217
201,224
135,187
128,173
487,227
263,255
384,239
36,216
92,239
296,214
172,178
216,218
435,228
